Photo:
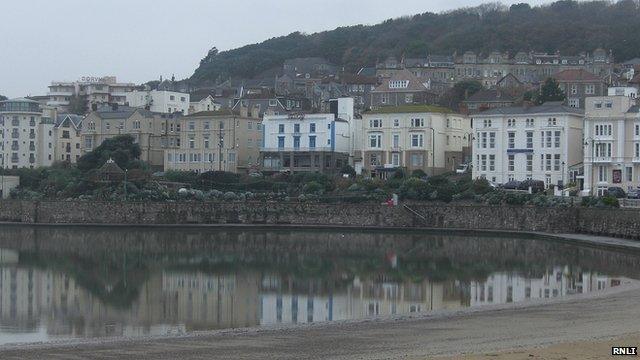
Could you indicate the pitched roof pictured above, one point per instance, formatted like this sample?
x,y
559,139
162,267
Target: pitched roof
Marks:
x,y
576,75
212,113
484,96
414,83
121,112
410,109
552,107
76,120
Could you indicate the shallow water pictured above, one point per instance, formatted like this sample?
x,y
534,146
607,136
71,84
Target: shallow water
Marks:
x,y
91,282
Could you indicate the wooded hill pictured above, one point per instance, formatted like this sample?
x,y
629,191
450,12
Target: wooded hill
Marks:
x,y
567,26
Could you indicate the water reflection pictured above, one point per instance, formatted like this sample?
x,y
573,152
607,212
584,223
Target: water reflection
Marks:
x,y
78,283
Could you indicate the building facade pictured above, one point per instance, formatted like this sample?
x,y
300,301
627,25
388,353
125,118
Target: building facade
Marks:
x,y
93,91
157,101
309,143
521,143
27,136
401,88
68,138
580,84
612,144
425,138
216,141
154,132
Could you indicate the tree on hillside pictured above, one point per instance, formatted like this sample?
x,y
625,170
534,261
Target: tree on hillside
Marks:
x,y
460,92
550,91
3,98
78,105
122,149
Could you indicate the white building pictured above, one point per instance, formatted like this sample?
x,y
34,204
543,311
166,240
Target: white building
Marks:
x,y
308,142
158,101
612,144
419,137
628,91
520,143
27,136
94,91
201,104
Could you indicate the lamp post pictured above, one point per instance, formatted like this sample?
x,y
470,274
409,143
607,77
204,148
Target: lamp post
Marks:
x,y
124,184
563,183
586,143
433,150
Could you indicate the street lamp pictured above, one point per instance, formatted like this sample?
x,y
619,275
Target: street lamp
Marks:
x,y
593,149
433,150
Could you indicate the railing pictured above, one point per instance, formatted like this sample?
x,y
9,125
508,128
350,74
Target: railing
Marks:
x,y
415,212
630,203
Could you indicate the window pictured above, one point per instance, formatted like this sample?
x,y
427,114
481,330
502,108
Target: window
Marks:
x,y
486,123
529,163
483,162
172,97
395,159
574,102
598,105
384,98
417,140
636,131
273,102
408,98
296,142
417,160
396,123
512,163
590,89
511,141
603,130
529,139
574,89
312,128
637,150
396,141
192,125
192,142
312,142
281,128
492,163
530,123
375,123
398,84
608,105
556,162
280,142
417,122
552,122
629,173
511,122
602,173
296,128
206,141
603,149
375,141
492,140
483,140
556,139
548,162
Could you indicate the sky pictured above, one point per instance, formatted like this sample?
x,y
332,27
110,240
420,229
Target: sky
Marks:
x,y
140,40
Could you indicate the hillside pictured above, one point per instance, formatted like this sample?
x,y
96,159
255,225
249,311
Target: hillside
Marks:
x,y
566,26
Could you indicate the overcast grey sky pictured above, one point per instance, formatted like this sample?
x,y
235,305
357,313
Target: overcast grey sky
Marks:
x,y
139,40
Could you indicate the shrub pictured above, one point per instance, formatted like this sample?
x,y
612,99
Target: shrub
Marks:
x,y
313,187
418,173
610,201
349,170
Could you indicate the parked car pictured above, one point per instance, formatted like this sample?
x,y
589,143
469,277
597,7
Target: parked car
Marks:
x,y
633,194
535,185
616,192
462,169
512,185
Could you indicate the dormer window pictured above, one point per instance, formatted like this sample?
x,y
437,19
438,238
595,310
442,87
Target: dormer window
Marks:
x,y
398,84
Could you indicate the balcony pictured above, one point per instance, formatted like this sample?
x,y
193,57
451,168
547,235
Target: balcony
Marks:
x,y
602,159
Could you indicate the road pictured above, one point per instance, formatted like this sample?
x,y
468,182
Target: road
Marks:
x,y
473,332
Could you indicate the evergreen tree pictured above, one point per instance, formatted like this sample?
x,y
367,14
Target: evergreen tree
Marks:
x,y
550,91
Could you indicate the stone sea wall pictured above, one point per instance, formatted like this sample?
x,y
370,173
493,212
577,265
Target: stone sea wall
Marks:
x,y
611,222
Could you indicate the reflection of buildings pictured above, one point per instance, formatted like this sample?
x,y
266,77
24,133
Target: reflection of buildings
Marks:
x,y
507,287
169,302
359,299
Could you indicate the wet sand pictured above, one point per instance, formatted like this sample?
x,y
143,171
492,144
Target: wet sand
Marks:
x,y
509,329
583,350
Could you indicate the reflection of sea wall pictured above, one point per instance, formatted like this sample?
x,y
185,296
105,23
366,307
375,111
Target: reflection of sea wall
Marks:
x,y
285,247
615,222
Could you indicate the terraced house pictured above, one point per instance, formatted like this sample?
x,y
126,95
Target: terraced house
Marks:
x,y
612,144
68,138
216,141
154,132
521,143
427,138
